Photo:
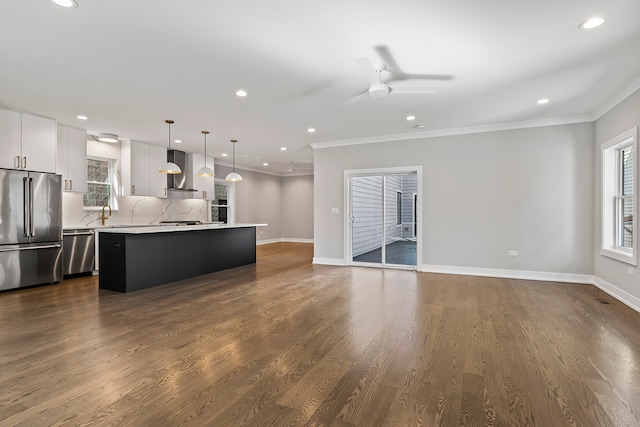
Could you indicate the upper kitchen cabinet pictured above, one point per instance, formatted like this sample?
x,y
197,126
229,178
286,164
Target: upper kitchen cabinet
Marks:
x,y
204,184
157,180
140,163
29,141
71,162
10,138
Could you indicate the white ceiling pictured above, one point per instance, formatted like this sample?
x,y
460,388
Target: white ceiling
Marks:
x,y
129,65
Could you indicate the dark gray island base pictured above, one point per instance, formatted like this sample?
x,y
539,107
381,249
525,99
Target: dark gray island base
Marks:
x,y
130,261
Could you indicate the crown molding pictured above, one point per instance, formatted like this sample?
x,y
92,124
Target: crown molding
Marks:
x,y
628,90
554,121
282,175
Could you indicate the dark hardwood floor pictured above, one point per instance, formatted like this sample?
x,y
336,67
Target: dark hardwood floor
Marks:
x,y
284,342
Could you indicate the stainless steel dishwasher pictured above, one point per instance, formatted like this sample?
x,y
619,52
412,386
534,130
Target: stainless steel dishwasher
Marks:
x,y
78,251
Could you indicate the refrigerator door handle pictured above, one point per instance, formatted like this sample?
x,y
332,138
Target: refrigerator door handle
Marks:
x,y
25,207
31,232
30,247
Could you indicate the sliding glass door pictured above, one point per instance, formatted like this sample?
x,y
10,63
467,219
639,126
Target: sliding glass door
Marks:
x,y
383,219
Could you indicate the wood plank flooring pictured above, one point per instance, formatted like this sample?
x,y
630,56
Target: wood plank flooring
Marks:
x,y
287,343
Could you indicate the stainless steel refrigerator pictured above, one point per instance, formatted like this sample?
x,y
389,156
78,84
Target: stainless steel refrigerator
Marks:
x,y
30,228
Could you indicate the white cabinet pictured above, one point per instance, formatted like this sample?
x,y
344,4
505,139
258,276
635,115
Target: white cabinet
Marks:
x,y
157,180
10,139
140,163
71,161
204,184
28,141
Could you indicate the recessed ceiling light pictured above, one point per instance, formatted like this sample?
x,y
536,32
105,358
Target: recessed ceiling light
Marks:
x,y
420,126
411,118
178,141
265,164
66,3
283,148
241,93
82,117
542,101
311,130
224,154
590,23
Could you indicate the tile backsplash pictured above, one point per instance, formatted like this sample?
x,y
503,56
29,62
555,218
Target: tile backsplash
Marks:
x,y
134,210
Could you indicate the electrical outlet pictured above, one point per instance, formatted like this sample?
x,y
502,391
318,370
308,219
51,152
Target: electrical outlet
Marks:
x,y
630,271
513,253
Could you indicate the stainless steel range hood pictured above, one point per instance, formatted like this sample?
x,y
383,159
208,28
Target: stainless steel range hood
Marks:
x,y
178,182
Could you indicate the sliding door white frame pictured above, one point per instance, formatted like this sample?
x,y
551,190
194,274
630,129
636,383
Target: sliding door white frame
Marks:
x,y
348,235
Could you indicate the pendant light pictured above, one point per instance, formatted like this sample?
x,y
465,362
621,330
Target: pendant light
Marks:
x,y
205,171
170,167
234,176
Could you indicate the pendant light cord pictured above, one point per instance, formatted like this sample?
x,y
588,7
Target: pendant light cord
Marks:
x,y
234,154
169,122
205,132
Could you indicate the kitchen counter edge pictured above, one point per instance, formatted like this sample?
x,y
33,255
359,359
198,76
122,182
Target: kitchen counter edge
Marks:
x,y
172,228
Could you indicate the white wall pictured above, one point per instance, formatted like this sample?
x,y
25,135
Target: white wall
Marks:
x,y
297,208
285,203
484,194
613,275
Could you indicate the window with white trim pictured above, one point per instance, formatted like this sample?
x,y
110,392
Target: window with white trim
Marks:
x,y
619,206
100,189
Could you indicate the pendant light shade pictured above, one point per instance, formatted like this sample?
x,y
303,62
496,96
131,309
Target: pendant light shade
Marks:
x,y
234,176
205,171
170,167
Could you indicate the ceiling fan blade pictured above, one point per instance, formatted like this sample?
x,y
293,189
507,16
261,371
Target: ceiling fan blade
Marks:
x,y
412,89
427,76
385,55
355,99
368,71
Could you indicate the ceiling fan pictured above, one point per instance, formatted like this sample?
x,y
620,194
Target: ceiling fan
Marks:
x,y
379,88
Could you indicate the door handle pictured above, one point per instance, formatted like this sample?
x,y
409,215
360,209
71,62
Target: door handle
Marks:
x,y
17,163
31,232
30,247
24,162
133,189
65,184
70,184
25,206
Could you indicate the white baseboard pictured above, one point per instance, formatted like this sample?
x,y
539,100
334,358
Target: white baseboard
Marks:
x,y
283,239
509,274
619,294
295,240
329,261
267,242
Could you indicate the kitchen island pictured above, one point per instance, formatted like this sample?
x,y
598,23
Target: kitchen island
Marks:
x,y
135,258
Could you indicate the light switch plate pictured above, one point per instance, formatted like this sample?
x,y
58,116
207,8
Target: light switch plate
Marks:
x,y
335,211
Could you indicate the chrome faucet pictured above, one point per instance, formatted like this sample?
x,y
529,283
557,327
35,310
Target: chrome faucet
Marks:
x,y
103,217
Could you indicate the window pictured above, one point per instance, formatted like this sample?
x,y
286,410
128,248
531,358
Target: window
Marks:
x,y
223,204
99,185
619,172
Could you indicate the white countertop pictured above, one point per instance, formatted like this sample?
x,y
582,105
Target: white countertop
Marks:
x,y
171,228
107,226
